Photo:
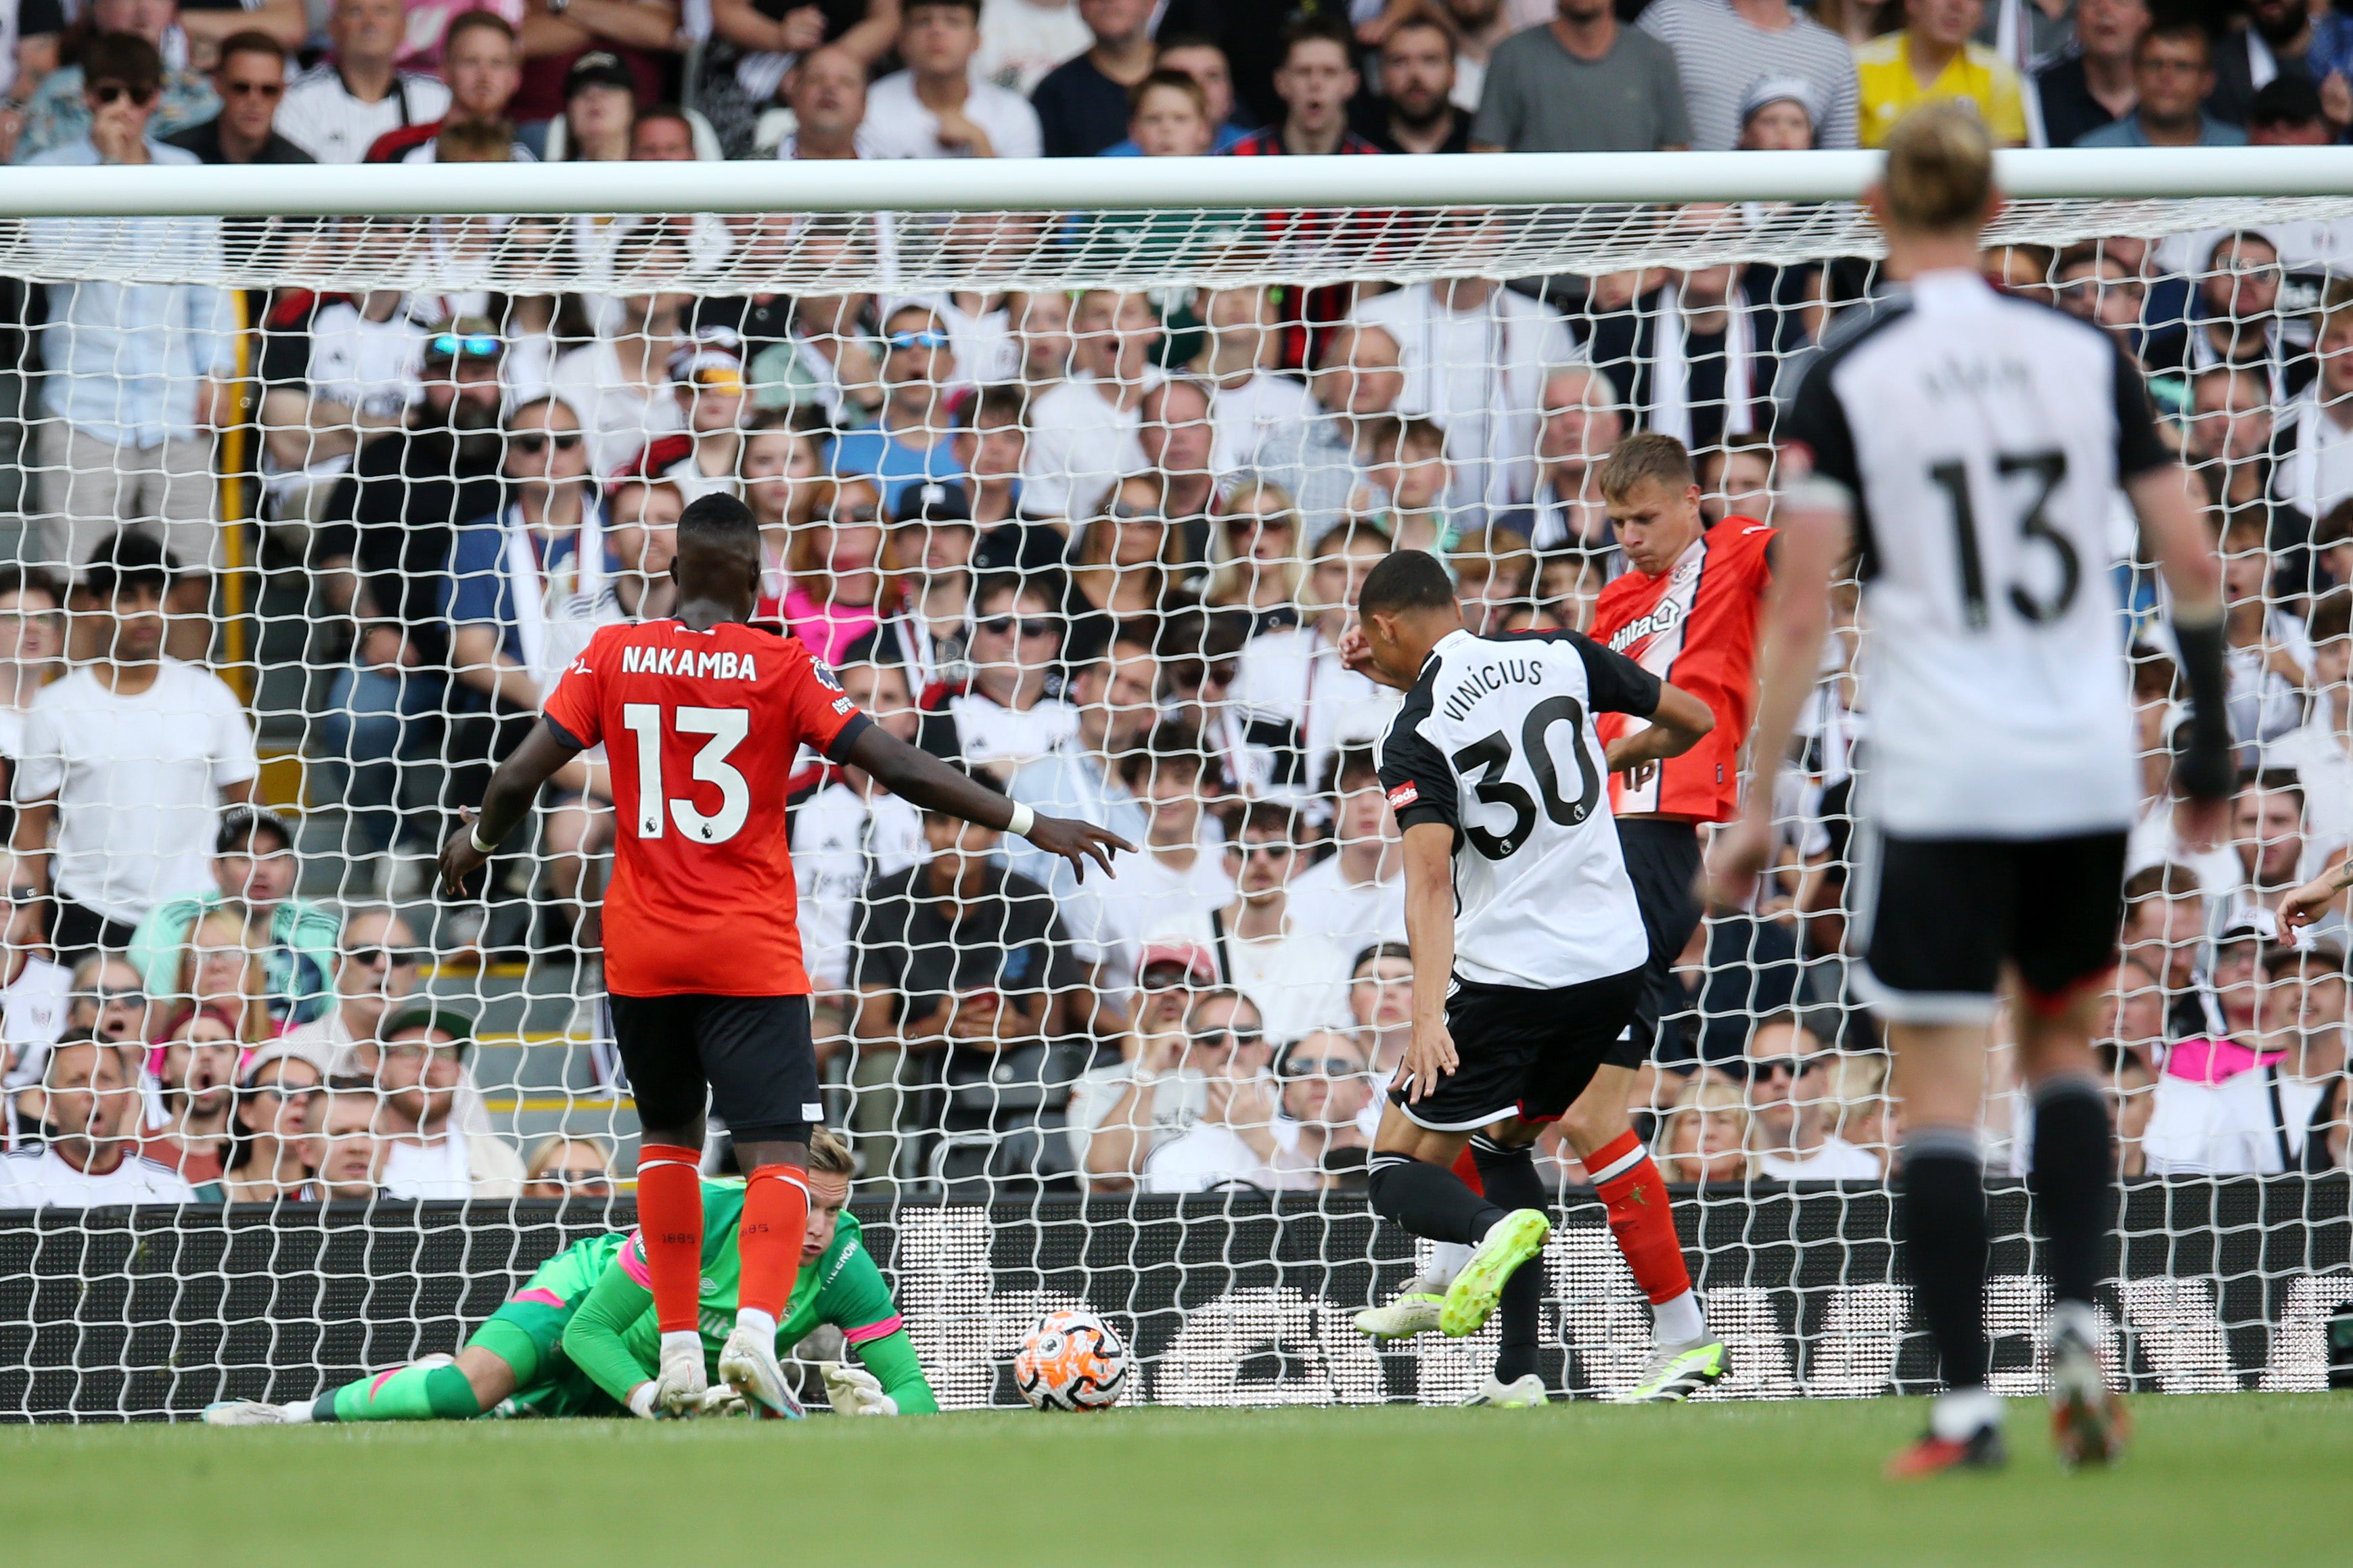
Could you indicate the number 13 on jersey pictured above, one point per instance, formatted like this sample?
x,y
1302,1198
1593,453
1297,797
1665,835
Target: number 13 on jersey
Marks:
x,y
726,727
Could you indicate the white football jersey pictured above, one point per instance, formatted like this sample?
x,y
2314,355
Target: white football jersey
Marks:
x,y
1982,439
1496,741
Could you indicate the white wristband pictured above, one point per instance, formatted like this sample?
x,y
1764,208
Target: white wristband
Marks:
x,y
474,836
1024,819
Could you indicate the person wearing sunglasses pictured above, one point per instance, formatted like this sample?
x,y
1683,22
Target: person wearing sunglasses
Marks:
x,y
913,442
251,81
1328,1088
1003,718
1233,1141
254,872
63,108
1790,1109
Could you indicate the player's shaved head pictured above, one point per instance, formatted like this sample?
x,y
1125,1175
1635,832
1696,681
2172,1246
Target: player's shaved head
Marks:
x,y
1404,580
718,556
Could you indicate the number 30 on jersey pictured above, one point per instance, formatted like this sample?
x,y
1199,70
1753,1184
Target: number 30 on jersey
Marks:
x,y
725,728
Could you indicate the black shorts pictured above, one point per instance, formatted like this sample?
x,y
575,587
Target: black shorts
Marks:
x,y
1522,1052
1663,862
1941,916
750,1056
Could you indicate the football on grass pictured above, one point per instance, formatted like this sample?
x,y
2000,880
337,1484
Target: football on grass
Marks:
x,y
1072,1360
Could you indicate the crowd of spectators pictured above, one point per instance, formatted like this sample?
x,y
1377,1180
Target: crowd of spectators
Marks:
x,y
1096,548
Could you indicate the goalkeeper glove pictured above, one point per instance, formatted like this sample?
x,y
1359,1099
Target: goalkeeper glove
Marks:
x,y
854,1391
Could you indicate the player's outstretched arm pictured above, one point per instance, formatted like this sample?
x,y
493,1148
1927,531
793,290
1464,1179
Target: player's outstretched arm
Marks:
x,y
1680,722
2205,773
918,777
1817,531
505,802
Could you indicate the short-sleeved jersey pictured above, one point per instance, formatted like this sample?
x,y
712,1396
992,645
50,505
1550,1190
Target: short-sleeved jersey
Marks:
x,y
1496,741
843,1287
1980,440
1693,625
701,729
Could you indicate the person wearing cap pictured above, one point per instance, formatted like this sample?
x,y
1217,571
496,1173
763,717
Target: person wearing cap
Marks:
x,y
600,109
1233,1141
928,634
1780,114
911,442
2242,1102
706,380
1123,1110
128,758
2173,73
254,872
420,1061
381,552
2089,83
1721,48
337,109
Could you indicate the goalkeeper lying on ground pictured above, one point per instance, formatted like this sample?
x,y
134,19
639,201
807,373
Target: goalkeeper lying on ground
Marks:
x,y
579,1338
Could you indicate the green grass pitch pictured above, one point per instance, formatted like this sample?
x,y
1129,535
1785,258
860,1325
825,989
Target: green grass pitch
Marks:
x,y
2212,1481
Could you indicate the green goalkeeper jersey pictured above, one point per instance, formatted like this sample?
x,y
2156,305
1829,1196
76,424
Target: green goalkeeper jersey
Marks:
x,y
615,1338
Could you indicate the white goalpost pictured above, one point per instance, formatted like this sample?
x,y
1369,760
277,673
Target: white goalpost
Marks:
x,y
1066,466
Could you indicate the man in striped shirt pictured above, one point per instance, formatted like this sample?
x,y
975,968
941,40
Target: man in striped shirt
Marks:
x,y
1721,46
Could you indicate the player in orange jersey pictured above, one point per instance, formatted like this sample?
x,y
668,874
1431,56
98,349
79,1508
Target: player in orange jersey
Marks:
x,y
701,716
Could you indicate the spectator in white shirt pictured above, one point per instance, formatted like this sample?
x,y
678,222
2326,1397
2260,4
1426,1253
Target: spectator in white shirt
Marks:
x,y
88,1156
1250,402
1300,702
1326,1090
1231,1140
1357,895
1180,860
419,1066
1789,1108
619,381
1120,1112
35,989
1475,356
2316,431
2321,753
336,109
32,641
130,758
1295,977
1004,717
2243,1103
1021,40
1116,694
350,1150
1082,432
938,108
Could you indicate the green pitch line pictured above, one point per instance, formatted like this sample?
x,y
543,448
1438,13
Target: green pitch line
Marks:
x,y
2213,1481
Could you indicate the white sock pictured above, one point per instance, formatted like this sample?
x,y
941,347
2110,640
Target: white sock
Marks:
x,y
761,1325
1678,1322
681,1341
1956,1416
1446,1260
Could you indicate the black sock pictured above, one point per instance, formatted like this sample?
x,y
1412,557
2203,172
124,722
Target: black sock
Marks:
x,y
1512,1183
2071,1181
1429,1200
1941,1200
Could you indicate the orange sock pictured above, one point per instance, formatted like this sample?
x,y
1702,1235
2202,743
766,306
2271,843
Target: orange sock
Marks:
x,y
1466,1170
1639,1217
670,1229
768,1242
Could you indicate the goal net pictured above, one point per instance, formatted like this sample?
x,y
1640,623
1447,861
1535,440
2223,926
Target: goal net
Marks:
x,y
1079,499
